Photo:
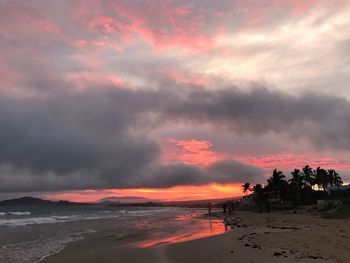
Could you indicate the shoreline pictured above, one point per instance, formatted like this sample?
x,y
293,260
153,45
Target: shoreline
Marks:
x,y
145,233
284,236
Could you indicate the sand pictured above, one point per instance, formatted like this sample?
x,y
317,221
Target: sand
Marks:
x,y
273,237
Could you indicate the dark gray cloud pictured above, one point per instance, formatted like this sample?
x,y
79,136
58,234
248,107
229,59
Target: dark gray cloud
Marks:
x,y
224,171
67,132
322,119
69,140
97,138
88,139
155,175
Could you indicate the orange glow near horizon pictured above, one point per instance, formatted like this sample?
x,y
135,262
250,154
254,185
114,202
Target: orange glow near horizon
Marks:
x,y
177,193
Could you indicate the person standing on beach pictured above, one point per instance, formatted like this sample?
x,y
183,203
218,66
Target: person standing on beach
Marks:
x,y
209,208
224,208
232,210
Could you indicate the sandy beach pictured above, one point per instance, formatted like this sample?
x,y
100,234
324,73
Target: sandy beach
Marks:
x,y
290,236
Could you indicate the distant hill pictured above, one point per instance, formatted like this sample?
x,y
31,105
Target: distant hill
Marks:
x,y
125,200
115,201
24,201
141,201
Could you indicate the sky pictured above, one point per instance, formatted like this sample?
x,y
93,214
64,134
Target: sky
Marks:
x,y
169,100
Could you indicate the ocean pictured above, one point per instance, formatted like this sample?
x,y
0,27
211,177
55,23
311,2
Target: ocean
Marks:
x,y
28,234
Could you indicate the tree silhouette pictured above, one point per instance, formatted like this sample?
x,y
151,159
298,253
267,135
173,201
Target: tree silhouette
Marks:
x,y
308,175
308,178
246,188
298,189
322,178
335,178
259,196
296,184
276,182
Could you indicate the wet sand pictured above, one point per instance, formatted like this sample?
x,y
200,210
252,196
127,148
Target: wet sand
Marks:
x,y
273,237
147,239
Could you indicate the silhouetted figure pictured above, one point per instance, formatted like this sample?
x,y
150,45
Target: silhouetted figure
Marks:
x,y
224,208
232,210
209,208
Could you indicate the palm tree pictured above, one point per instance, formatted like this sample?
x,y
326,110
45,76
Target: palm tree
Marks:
x,y
246,187
259,196
308,178
297,178
276,182
297,183
335,178
308,175
322,178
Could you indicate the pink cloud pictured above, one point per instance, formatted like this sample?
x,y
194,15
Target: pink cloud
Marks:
x,y
291,161
9,78
81,80
196,152
32,24
302,6
182,10
167,28
181,76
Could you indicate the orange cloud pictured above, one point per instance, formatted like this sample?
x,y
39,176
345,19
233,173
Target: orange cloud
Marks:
x,y
177,193
196,152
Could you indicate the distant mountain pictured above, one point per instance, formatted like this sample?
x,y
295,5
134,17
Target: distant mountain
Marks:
x,y
134,200
120,200
125,200
24,201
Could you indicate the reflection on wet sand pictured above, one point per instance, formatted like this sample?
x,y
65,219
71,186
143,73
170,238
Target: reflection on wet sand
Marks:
x,y
191,228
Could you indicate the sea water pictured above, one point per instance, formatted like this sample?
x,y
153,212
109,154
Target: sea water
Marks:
x,y
30,233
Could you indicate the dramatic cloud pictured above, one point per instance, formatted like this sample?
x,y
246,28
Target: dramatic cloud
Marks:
x,y
127,94
197,152
88,139
93,138
324,120
142,42
225,171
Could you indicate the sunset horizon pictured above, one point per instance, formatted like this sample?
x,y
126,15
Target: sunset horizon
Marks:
x,y
153,103
110,96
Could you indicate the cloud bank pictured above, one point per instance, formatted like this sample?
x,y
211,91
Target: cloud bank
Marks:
x,y
90,90
100,138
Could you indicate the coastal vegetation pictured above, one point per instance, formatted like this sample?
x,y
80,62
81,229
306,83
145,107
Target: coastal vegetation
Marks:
x,y
306,186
